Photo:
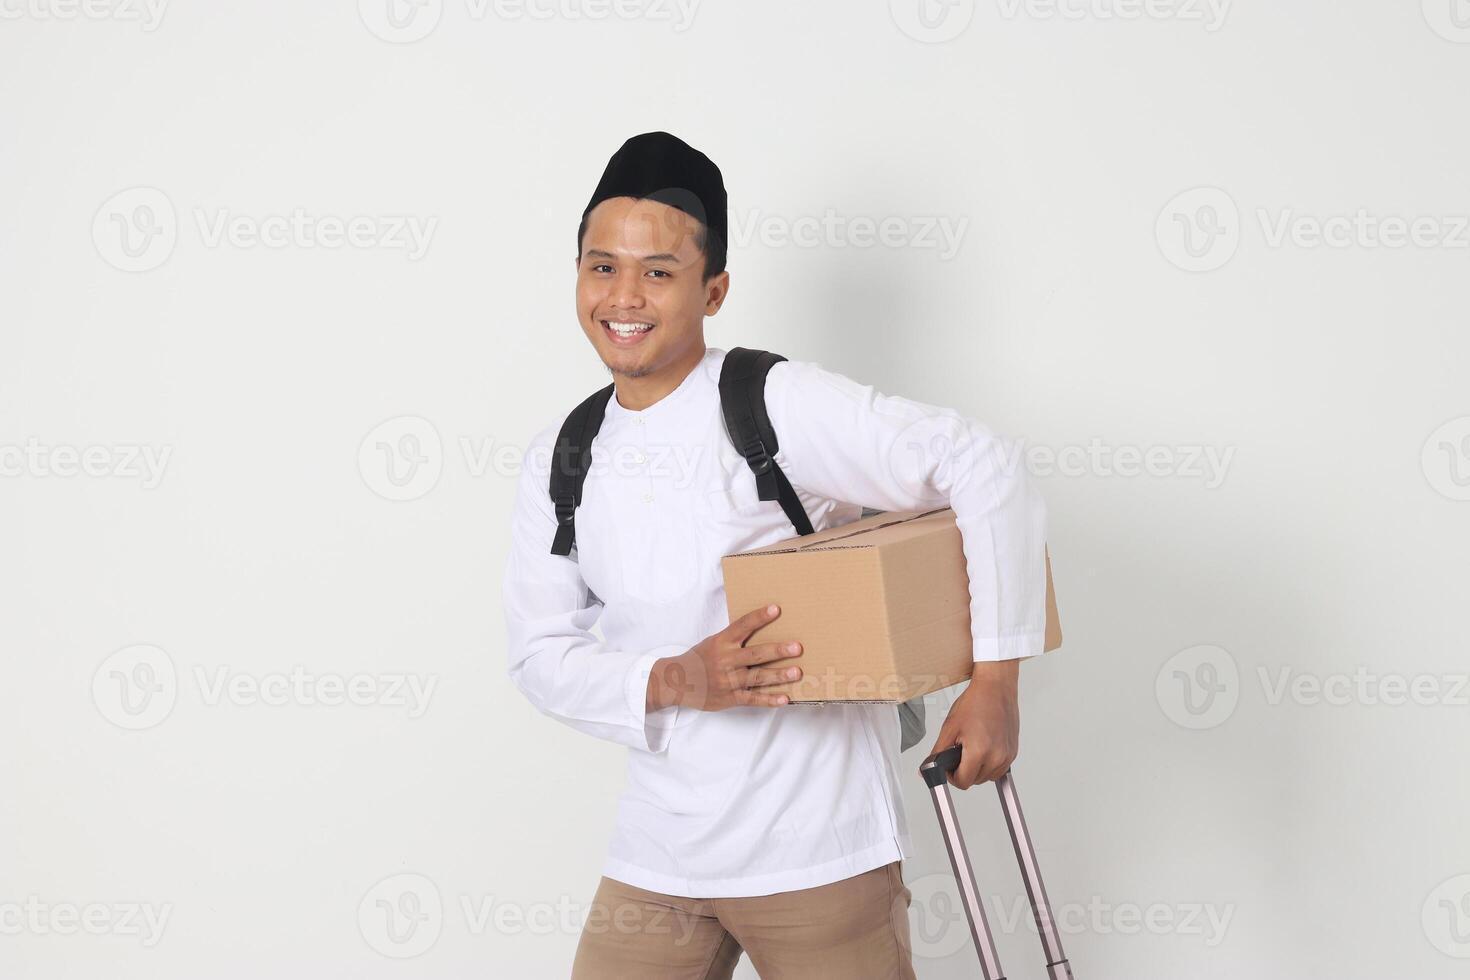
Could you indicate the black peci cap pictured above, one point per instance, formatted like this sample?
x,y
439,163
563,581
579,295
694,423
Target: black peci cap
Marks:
x,y
661,167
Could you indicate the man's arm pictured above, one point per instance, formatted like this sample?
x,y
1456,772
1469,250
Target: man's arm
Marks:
x,y
561,667
847,441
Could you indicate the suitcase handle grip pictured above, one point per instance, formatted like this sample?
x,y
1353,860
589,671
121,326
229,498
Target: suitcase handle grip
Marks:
x,y
937,767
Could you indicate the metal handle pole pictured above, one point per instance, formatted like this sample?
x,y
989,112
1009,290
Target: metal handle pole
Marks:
x,y
1057,967
936,770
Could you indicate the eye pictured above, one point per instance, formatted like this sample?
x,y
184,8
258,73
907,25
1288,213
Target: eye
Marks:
x,y
602,267
658,272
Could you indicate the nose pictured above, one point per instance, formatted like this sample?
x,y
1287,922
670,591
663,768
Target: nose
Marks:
x,y
626,292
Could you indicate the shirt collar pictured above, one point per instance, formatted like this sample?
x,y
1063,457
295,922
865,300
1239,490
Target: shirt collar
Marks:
x,y
669,402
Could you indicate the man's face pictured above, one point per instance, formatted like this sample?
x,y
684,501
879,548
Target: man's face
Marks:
x,y
640,267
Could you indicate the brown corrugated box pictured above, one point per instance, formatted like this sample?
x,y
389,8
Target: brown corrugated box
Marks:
x,y
881,606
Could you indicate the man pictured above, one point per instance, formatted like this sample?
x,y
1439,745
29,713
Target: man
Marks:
x,y
745,825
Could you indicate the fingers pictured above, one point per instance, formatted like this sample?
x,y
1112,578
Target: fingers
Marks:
x,y
993,765
740,629
746,674
759,700
762,676
764,653
965,773
980,761
981,764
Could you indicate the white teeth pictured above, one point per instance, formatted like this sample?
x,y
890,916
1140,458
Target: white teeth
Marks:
x,y
628,329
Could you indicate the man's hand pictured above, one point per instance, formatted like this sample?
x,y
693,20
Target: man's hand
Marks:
x,y
986,720
721,672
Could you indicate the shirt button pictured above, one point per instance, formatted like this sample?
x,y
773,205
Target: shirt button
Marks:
x,y
648,498
640,458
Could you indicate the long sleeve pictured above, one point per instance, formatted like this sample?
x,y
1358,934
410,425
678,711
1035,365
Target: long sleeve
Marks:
x,y
561,667
848,442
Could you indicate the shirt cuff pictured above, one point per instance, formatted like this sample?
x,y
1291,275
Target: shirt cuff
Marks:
x,y
1008,647
657,726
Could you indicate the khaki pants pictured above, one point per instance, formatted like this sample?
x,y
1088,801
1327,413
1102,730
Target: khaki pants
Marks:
x,y
854,929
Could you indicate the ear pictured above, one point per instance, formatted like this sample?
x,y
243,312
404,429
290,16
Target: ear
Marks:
x,y
715,292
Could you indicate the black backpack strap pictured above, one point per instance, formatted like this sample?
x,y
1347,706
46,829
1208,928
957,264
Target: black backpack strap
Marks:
x,y
571,458
743,401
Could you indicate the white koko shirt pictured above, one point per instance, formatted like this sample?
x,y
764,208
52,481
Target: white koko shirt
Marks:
x,y
749,800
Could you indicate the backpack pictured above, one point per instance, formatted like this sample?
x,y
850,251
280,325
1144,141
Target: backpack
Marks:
x,y
743,403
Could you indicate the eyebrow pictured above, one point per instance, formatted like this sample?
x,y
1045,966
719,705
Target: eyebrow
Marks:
x,y
660,257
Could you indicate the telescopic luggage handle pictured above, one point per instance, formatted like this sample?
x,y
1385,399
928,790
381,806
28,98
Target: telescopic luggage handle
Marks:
x,y
936,770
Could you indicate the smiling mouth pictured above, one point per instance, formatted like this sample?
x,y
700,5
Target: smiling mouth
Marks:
x,y
626,330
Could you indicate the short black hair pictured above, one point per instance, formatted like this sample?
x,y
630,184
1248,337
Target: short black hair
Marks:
x,y
710,243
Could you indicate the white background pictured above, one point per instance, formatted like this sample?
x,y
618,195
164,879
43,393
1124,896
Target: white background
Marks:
x,y
1168,776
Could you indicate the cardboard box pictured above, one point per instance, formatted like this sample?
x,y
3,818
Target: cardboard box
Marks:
x,y
881,606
